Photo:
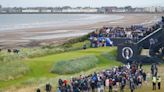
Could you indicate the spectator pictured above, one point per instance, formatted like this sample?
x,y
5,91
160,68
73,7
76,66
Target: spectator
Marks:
x,y
115,85
107,82
159,82
110,84
139,81
144,76
16,51
123,83
132,85
154,80
9,50
48,87
59,89
84,46
38,90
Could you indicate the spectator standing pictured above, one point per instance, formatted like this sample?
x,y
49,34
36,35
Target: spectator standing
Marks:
x,y
144,76
107,82
159,82
38,90
110,84
132,85
84,46
123,83
115,86
154,80
48,87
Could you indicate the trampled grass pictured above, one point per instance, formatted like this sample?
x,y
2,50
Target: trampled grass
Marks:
x,y
75,65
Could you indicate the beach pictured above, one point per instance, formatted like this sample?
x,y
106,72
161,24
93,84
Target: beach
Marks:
x,y
28,37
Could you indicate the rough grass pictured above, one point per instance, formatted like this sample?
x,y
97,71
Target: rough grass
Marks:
x,y
40,51
40,68
75,65
12,70
109,55
39,73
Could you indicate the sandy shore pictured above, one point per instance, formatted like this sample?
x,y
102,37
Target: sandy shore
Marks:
x,y
53,35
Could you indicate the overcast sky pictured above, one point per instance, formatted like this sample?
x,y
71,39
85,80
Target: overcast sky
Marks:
x,y
83,3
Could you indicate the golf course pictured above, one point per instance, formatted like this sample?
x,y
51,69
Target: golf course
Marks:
x,y
28,74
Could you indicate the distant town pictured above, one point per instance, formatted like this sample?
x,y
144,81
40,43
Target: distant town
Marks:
x,y
68,9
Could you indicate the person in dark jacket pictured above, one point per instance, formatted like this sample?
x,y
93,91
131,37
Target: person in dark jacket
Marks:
x,y
123,83
48,87
38,90
132,85
159,82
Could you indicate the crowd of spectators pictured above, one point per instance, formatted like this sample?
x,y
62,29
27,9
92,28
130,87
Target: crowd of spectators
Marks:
x,y
11,50
101,37
116,79
110,80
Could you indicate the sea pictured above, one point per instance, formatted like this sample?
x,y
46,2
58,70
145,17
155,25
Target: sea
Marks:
x,y
13,22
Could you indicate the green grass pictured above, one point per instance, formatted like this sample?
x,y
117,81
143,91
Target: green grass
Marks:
x,y
75,65
39,70
12,70
40,67
109,55
39,51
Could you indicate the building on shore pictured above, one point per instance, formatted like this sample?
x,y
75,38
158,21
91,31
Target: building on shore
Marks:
x,y
139,10
68,9
157,9
109,9
45,10
160,9
81,10
30,10
120,10
56,10
150,9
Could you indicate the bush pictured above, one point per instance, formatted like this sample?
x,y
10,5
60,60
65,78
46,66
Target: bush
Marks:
x,y
75,65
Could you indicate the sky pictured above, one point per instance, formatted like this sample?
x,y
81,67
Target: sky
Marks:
x,y
82,3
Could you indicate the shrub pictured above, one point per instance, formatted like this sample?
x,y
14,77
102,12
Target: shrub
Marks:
x,y
75,65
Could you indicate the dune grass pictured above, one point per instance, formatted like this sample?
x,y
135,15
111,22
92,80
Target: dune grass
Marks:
x,y
109,55
40,51
39,68
75,65
12,70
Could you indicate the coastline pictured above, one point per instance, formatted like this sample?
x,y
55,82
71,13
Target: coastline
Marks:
x,y
53,35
